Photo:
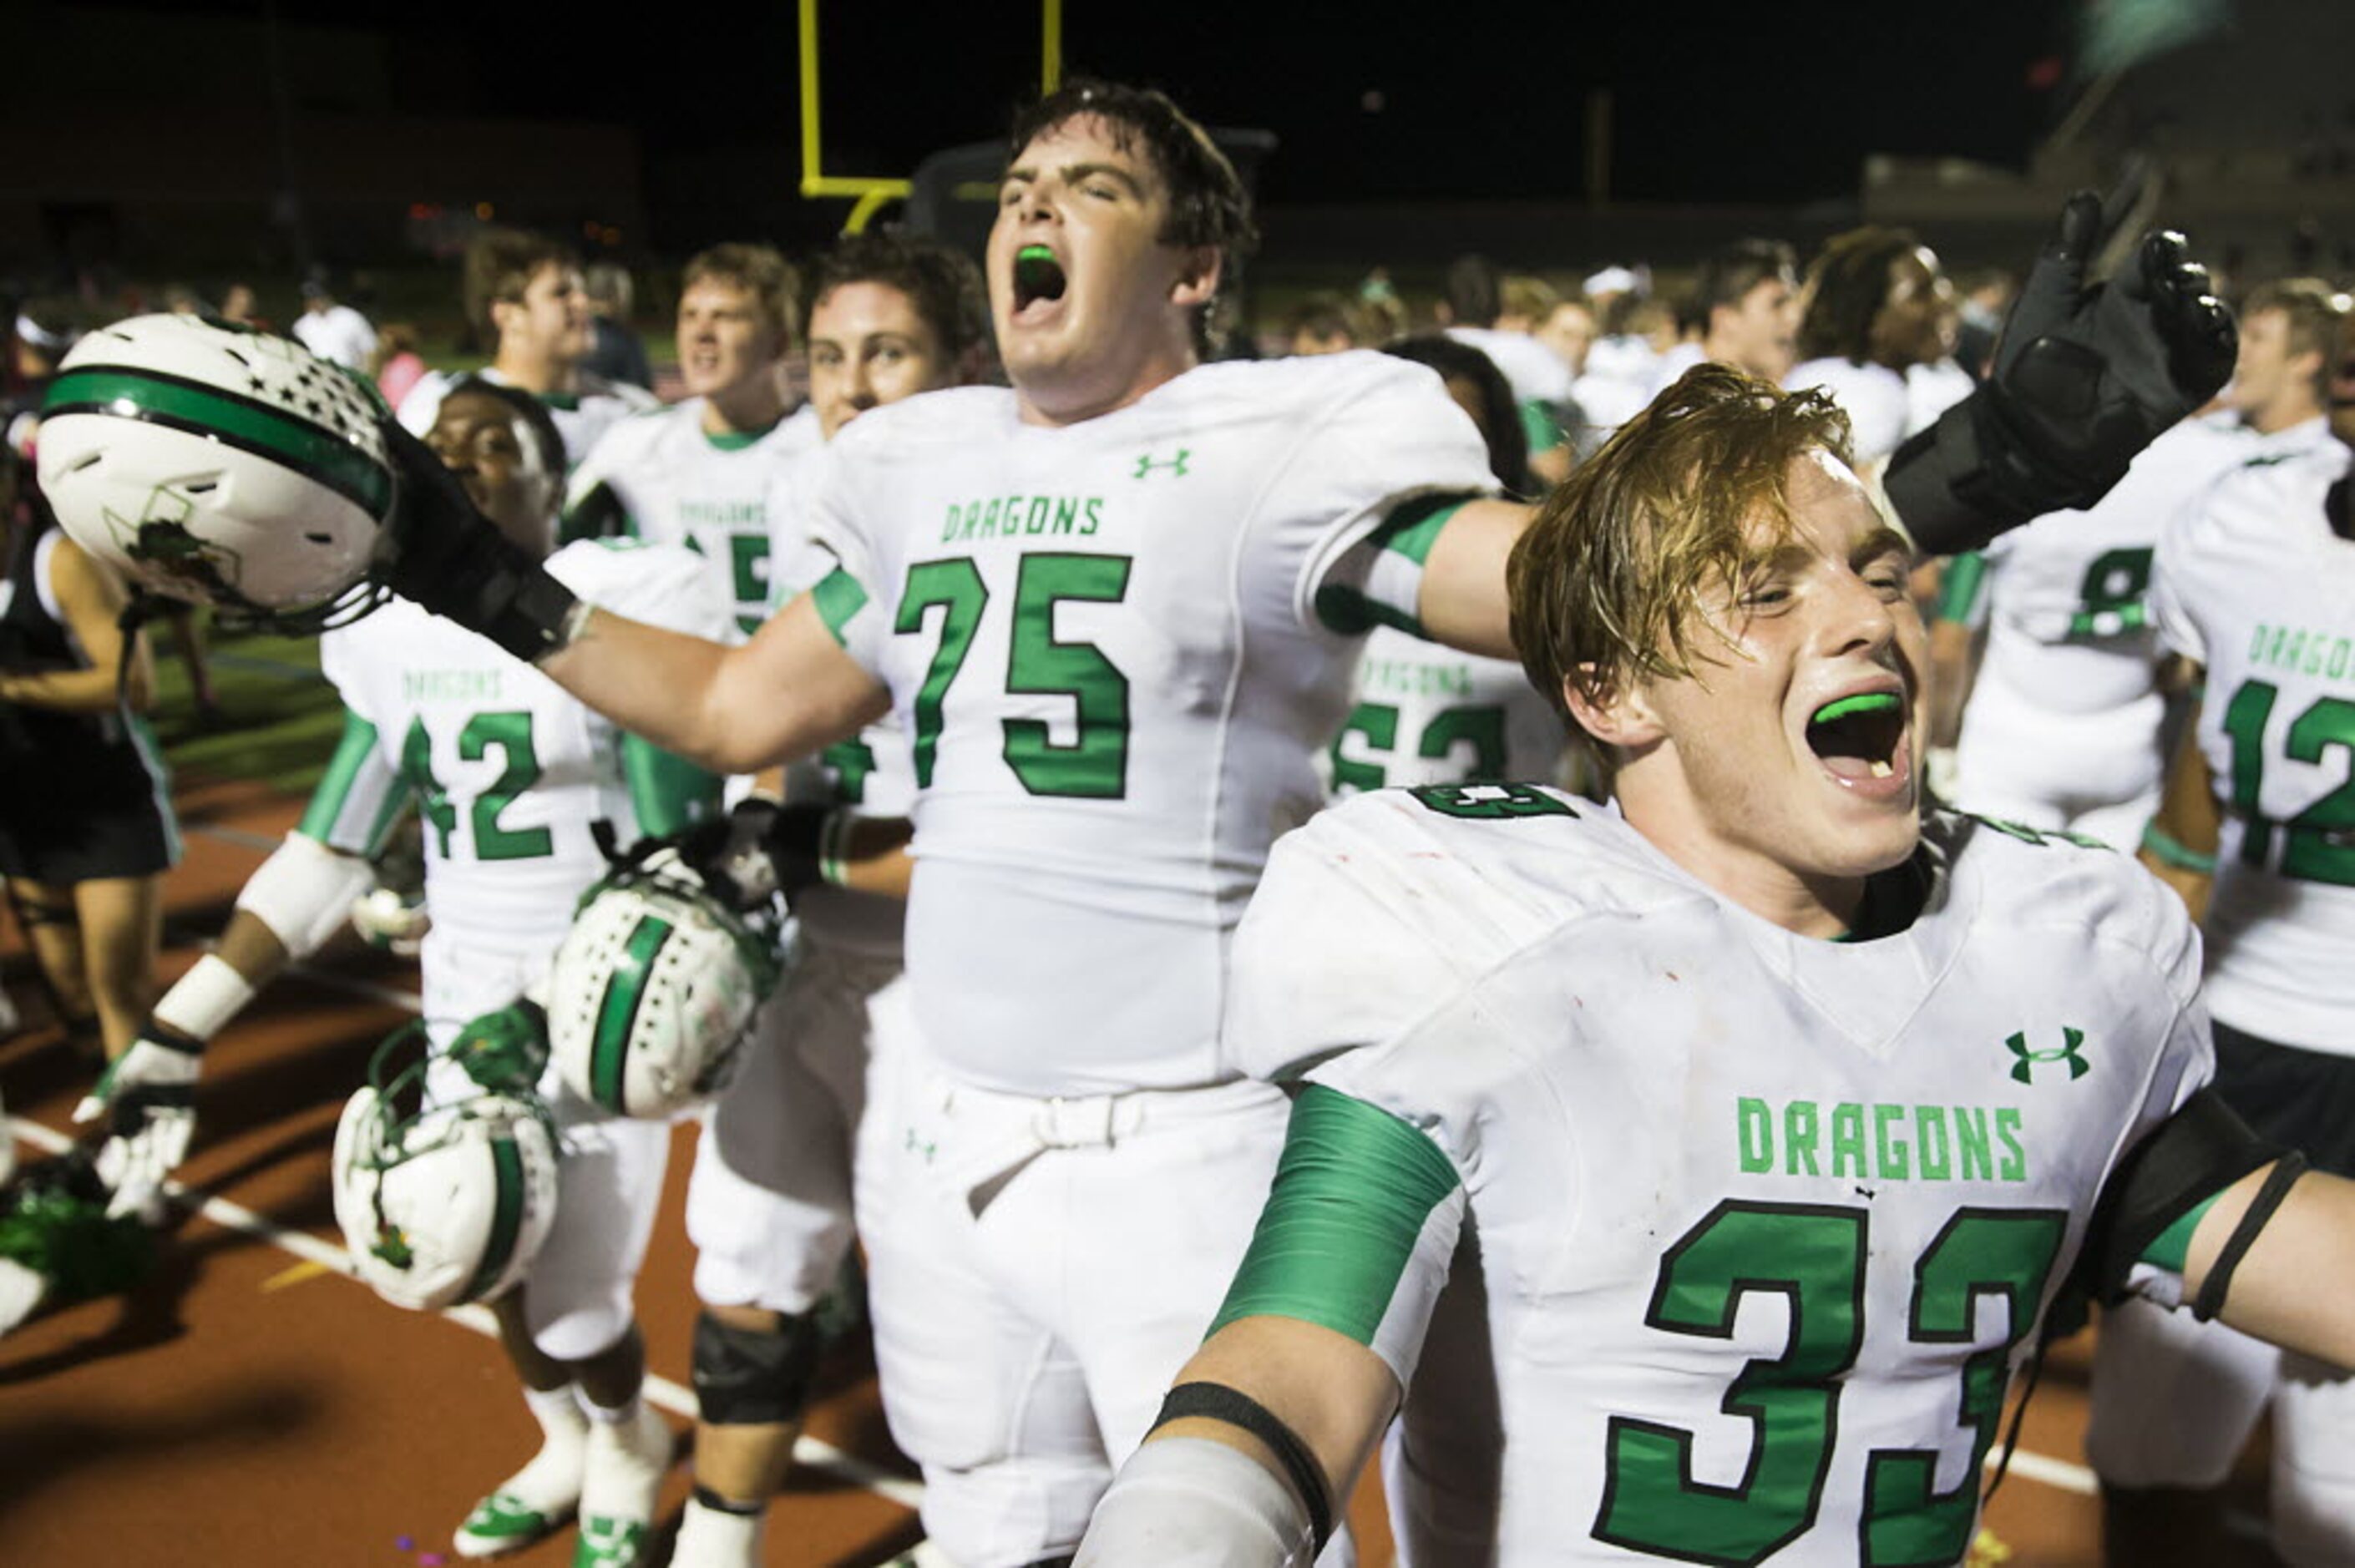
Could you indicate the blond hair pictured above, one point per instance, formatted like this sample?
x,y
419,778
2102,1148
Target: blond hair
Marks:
x,y
1605,584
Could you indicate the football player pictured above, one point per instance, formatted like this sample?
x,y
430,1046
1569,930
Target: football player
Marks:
x,y
1780,1114
1116,608
2062,729
508,774
524,296
768,1207
700,473
2253,583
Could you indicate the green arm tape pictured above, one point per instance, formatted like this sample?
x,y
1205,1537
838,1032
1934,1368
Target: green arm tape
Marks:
x,y
667,792
1352,1191
1958,593
2172,1247
839,598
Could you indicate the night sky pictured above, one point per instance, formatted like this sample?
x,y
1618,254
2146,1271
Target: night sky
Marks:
x,y
1763,102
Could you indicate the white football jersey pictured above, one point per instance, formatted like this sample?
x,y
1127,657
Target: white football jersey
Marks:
x,y
1931,389
1534,372
1426,713
676,484
581,416
1105,644
1765,1223
2253,583
1873,397
509,770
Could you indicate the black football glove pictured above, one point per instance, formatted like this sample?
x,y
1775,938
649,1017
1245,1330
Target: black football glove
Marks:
x,y
446,556
2084,378
758,850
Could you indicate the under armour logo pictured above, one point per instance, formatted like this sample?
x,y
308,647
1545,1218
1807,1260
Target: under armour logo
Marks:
x,y
1146,463
923,1146
2071,1043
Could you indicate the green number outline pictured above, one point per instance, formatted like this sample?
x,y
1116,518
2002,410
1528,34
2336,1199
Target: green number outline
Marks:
x,y
1509,801
954,586
2319,843
510,731
1094,765
1378,722
1906,1522
2095,597
1792,1401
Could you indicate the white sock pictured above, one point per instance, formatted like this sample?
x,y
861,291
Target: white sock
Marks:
x,y
714,1538
551,1481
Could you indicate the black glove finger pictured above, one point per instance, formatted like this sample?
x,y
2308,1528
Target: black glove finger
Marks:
x,y
2204,344
2056,283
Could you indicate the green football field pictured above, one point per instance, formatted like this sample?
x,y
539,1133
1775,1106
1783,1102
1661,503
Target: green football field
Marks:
x,y
280,718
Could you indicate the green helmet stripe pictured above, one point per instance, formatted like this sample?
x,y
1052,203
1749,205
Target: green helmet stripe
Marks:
x,y
617,1010
238,421
506,1217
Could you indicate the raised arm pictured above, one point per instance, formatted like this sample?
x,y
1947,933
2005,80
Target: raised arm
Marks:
x,y
788,692
1462,603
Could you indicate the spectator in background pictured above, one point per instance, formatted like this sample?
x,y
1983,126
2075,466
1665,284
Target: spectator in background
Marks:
x,y
1745,304
1569,331
237,305
1322,323
1987,295
1541,385
1524,303
1620,365
615,352
1872,310
332,330
397,367
182,300
525,296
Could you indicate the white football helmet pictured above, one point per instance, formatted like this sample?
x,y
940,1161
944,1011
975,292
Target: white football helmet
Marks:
x,y
653,991
441,1203
213,464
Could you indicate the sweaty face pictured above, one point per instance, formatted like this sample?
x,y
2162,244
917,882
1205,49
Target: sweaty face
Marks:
x,y
491,450
551,320
1790,762
1915,323
1760,334
1082,290
869,346
725,339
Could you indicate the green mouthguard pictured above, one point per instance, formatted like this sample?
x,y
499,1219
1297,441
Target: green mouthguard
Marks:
x,y
1863,702
1034,253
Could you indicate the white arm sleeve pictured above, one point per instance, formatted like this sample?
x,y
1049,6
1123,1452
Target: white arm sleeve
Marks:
x,y
304,891
1190,1502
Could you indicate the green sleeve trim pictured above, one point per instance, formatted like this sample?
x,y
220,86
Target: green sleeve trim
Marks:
x,y
326,817
839,598
599,515
1352,1193
667,792
1413,526
2172,1247
1347,612
1541,425
1958,593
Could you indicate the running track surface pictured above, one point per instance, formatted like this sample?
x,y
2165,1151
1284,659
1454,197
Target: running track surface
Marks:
x,y
252,1404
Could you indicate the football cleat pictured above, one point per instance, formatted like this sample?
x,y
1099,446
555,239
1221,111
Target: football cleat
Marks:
x,y
220,465
653,993
441,1203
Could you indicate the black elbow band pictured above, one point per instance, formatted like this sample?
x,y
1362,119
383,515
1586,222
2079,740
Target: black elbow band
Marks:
x,y
2277,1183
2195,1154
754,1377
1236,1408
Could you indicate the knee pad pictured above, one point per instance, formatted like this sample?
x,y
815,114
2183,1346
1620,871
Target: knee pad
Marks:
x,y
583,1327
754,1377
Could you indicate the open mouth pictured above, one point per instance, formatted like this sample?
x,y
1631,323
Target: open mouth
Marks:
x,y
1860,737
1038,275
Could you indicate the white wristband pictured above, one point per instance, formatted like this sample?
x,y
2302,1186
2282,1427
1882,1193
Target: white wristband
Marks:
x,y
206,999
1194,1502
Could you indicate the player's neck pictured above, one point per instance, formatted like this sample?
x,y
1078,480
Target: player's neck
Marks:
x,y
535,373
2272,420
747,409
1058,398
1744,874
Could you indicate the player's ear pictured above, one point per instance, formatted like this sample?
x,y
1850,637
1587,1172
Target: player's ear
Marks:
x,y
1197,277
1616,711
